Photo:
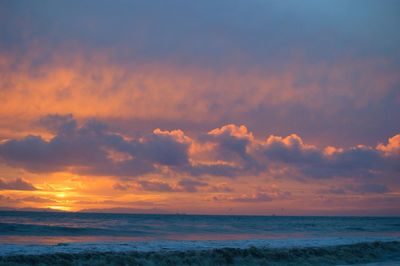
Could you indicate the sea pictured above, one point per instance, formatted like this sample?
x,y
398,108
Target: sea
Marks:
x,y
38,233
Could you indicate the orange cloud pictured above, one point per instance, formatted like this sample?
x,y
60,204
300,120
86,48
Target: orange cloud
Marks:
x,y
83,84
392,147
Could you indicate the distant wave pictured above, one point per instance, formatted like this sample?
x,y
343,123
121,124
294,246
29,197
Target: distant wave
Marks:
x,y
15,229
327,255
356,229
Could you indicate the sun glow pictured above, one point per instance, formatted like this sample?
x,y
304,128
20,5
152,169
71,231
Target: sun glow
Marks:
x,y
61,195
59,208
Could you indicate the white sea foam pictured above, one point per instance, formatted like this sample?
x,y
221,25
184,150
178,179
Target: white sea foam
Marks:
x,y
181,245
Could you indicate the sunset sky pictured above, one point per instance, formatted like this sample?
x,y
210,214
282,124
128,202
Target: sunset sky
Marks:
x,y
216,107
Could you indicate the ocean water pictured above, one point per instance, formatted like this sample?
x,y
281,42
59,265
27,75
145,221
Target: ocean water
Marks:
x,y
34,233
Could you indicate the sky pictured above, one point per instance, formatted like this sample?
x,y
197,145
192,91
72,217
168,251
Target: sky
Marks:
x,y
206,107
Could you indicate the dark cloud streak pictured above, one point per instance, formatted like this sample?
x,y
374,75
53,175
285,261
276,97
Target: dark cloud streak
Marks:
x,y
16,184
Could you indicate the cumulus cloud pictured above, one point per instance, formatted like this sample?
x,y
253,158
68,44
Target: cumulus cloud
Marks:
x,y
164,147
392,147
359,161
92,149
231,147
230,151
59,124
231,142
16,184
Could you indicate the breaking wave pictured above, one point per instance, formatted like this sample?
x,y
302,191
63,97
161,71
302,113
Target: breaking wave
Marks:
x,y
360,253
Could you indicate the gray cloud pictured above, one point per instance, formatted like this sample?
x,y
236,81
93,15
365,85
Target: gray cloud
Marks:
x,y
258,197
37,199
366,188
156,186
189,185
261,195
122,187
360,161
93,149
16,184
220,188
232,144
183,185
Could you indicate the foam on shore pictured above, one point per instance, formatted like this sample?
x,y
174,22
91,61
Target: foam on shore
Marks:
x,y
181,245
361,253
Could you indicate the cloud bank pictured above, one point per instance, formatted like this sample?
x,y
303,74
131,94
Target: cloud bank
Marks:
x,y
230,151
